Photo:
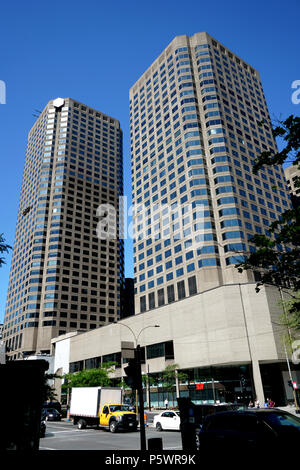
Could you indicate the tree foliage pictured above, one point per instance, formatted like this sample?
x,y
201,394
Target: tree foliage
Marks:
x,y
168,377
4,248
90,377
277,255
48,392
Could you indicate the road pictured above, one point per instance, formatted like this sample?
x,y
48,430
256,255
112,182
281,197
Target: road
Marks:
x,y
65,436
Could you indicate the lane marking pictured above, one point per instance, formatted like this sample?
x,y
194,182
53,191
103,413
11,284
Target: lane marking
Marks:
x,y
172,448
70,432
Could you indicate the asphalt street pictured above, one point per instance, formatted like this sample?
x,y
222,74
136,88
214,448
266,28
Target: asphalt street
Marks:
x,y
65,436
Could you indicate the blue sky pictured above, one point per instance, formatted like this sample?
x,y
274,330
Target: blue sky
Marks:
x,y
93,51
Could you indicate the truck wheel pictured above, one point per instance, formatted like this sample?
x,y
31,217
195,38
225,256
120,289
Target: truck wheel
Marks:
x,y
158,427
113,426
81,424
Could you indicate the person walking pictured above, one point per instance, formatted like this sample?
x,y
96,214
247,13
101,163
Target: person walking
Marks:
x,y
166,403
251,404
257,404
267,403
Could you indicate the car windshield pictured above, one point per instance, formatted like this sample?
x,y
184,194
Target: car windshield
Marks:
x,y
282,420
114,408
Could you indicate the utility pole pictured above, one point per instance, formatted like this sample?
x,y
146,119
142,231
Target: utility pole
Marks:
x,y
148,386
213,388
141,398
286,354
134,380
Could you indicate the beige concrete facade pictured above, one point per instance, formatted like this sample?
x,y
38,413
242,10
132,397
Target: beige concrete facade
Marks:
x,y
291,173
228,325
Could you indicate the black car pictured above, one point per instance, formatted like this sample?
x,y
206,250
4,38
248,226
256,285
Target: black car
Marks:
x,y
53,404
204,410
51,414
255,429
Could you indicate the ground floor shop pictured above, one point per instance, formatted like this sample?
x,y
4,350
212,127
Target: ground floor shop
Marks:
x,y
223,384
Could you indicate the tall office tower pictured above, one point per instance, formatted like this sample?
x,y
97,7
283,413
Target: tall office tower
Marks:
x,y
195,132
292,174
63,276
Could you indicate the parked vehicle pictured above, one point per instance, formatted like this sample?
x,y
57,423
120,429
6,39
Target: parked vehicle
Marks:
x,y
254,429
101,406
52,404
203,410
51,414
167,420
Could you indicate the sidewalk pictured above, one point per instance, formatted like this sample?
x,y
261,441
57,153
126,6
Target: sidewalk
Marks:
x,y
290,409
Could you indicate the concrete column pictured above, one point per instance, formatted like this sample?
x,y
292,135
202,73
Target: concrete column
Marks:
x,y
177,383
148,392
259,391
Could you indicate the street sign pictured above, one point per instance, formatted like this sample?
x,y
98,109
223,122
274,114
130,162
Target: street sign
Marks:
x,y
199,386
127,349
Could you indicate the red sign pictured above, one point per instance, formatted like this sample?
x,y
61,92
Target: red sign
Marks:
x,y
200,386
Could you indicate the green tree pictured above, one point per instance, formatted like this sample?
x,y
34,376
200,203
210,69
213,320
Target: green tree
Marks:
x,y
48,392
90,377
4,248
278,265
168,378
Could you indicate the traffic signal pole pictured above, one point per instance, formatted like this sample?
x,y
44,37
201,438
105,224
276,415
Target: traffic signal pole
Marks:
x,y
141,398
134,379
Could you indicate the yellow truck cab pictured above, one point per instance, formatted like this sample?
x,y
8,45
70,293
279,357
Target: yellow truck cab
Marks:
x,y
115,416
101,406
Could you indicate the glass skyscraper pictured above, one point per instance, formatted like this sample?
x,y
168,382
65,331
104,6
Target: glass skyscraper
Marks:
x,y
196,130
63,277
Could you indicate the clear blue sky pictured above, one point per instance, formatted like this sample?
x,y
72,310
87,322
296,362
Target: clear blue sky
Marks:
x,y
93,51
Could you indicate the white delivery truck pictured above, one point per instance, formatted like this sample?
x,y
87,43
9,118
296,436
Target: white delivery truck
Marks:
x,y
101,406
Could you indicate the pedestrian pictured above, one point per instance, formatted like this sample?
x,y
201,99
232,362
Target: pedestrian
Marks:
x,y
166,403
267,403
251,404
271,403
257,404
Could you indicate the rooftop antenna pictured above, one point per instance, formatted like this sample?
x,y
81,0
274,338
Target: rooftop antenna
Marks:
x,y
37,111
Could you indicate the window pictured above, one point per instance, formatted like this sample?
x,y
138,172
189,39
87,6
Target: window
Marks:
x,y
155,350
171,294
143,303
181,290
192,285
161,297
151,300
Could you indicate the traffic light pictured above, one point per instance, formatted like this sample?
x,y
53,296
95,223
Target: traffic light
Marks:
x,y
133,374
292,384
243,383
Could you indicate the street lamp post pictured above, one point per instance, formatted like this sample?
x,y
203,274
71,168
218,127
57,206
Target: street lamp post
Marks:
x,y
137,356
286,354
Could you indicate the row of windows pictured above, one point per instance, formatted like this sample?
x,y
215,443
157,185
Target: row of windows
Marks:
x,y
165,296
165,349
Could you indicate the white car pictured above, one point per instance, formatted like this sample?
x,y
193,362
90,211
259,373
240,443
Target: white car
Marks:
x,y
167,420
